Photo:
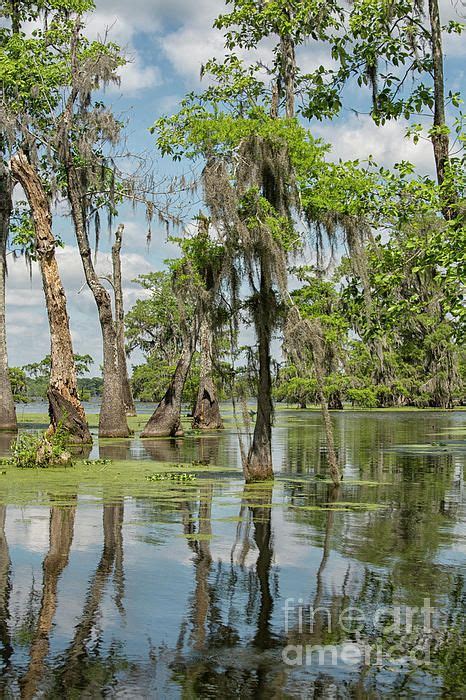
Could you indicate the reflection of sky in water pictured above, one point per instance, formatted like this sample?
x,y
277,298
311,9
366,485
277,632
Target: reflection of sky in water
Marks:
x,y
410,549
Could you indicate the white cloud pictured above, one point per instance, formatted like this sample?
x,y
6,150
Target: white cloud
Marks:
x,y
156,15
359,137
188,48
27,325
181,30
121,23
134,76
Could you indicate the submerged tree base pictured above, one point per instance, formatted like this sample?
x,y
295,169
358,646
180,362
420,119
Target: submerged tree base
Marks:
x,y
112,419
257,472
258,466
10,426
164,423
67,415
115,433
207,414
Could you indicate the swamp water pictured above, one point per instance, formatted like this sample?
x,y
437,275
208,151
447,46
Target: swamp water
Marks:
x,y
123,578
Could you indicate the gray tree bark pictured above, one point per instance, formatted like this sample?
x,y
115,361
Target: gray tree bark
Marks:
x,y
258,464
65,406
207,411
166,419
440,141
120,324
112,419
7,404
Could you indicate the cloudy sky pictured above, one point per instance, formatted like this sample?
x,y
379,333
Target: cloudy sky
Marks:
x,y
166,41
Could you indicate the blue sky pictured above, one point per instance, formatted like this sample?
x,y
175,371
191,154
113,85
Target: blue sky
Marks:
x,y
166,41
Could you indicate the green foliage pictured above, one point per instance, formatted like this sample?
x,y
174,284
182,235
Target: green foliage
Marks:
x,y
150,380
365,398
22,234
18,381
40,450
90,386
37,376
196,131
154,323
297,390
36,68
294,22
392,339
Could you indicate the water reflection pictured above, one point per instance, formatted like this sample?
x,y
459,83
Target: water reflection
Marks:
x,y
184,594
5,589
78,658
211,660
60,539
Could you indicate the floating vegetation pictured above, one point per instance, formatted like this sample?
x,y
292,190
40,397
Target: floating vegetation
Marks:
x,y
320,508
197,536
432,448
171,476
342,506
324,480
358,506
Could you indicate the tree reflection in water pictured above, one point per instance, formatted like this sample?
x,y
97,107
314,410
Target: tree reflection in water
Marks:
x,y
230,643
77,659
215,660
5,591
80,670
60,539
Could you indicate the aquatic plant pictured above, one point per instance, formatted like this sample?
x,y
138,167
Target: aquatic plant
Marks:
x,y
171,476
40,450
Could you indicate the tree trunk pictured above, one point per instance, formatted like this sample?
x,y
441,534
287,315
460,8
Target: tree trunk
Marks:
x,y
206,414
166,419
258,464
334,469
440,138
61,537
64,404
7,404
318,353
335,402
112,419
288,57
120,324
440,141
